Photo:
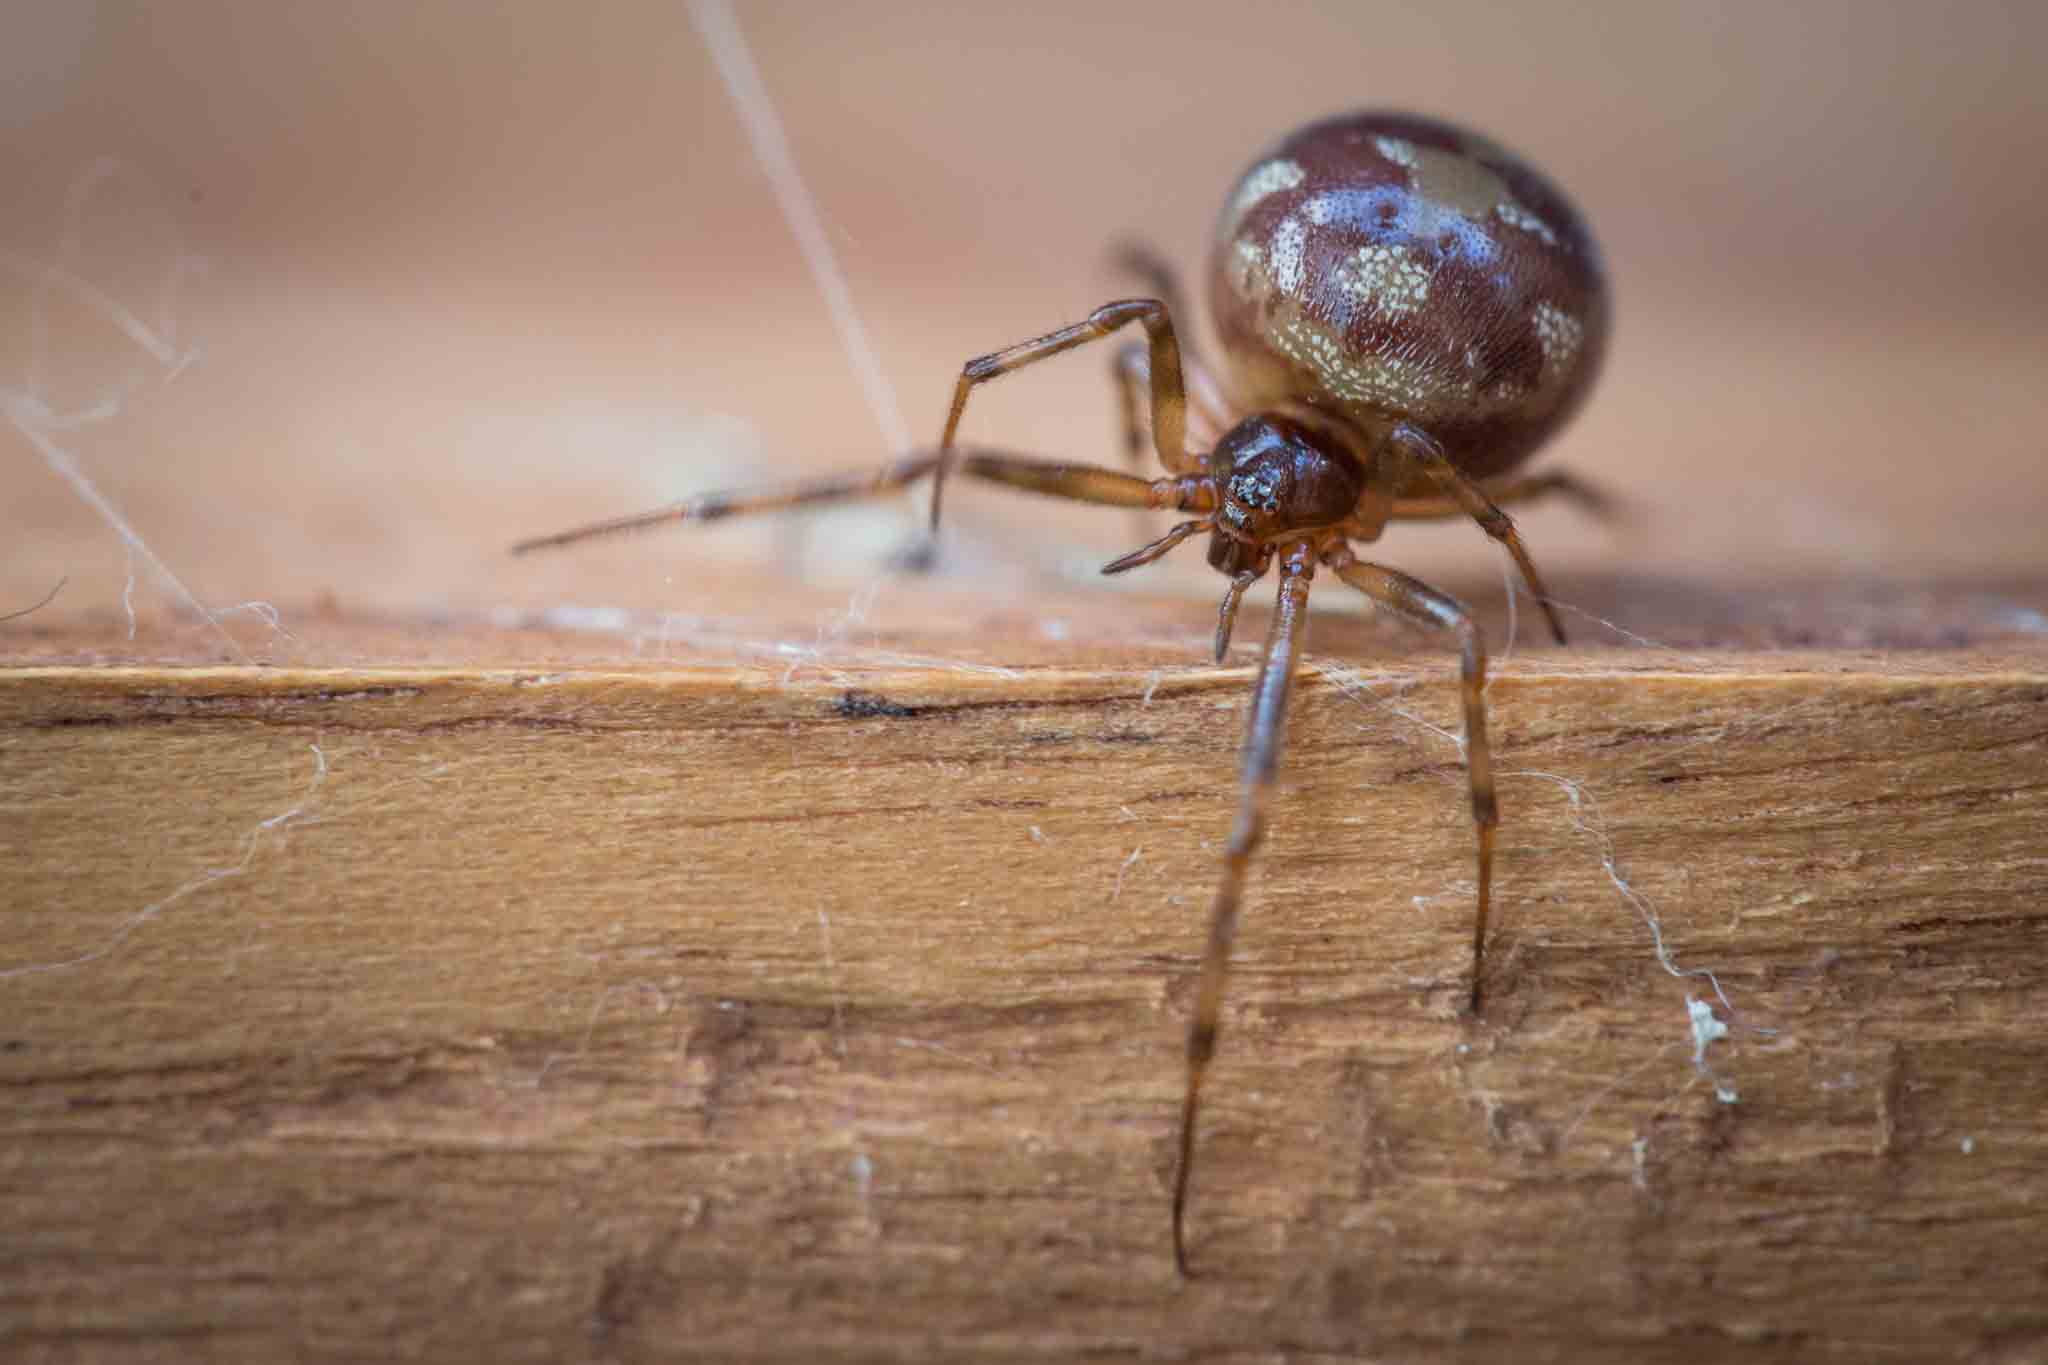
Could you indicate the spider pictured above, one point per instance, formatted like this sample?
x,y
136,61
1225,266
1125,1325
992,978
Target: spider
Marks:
x,y
1406,311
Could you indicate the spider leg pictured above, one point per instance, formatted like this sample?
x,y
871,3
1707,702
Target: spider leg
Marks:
x,y
1159,548
1130,372
1226,613
1145,264
1087,482
1285,641
1425,449
1590,497
1079,482
1169,393
1151,269
1418,602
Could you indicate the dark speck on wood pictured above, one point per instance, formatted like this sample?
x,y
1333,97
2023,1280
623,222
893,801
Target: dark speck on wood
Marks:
x,y
855,703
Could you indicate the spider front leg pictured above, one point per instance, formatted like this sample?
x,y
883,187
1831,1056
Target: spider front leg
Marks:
x,y
1205,395
1285,641
1425,450
1226,614
1130,374
1053,478
1418,602
1169,392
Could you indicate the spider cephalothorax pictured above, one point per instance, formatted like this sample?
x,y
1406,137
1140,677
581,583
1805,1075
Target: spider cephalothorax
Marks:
x,y
1275,478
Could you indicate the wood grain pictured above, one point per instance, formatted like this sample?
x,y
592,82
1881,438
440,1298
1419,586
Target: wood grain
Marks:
x,y
585,1009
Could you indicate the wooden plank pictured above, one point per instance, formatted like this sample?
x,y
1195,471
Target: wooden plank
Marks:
x,y
544,1011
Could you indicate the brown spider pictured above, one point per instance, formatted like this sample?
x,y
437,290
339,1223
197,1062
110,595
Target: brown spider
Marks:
x,y
1407,312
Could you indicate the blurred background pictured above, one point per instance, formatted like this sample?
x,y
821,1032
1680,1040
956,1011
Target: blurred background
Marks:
x,y
332,303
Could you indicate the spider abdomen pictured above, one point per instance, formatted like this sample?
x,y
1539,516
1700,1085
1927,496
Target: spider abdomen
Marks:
x,y
1386,268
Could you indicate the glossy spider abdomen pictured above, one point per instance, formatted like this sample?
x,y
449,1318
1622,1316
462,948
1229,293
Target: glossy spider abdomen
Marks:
x,y
1387,268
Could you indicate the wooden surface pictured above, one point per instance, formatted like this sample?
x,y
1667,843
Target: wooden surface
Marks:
x,y
585,1008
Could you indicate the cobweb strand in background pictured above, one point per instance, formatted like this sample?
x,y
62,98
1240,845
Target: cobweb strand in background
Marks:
x,y
47,423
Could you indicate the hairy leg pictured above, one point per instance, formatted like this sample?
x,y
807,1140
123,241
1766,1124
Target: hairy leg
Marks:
x,y
1285,641
1418,602
1425,450
1169,393
1078,482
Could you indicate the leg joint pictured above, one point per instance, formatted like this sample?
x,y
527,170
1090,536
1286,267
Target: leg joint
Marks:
x,y
1472,645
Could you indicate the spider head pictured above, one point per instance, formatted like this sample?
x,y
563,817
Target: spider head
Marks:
x,y
1274,478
